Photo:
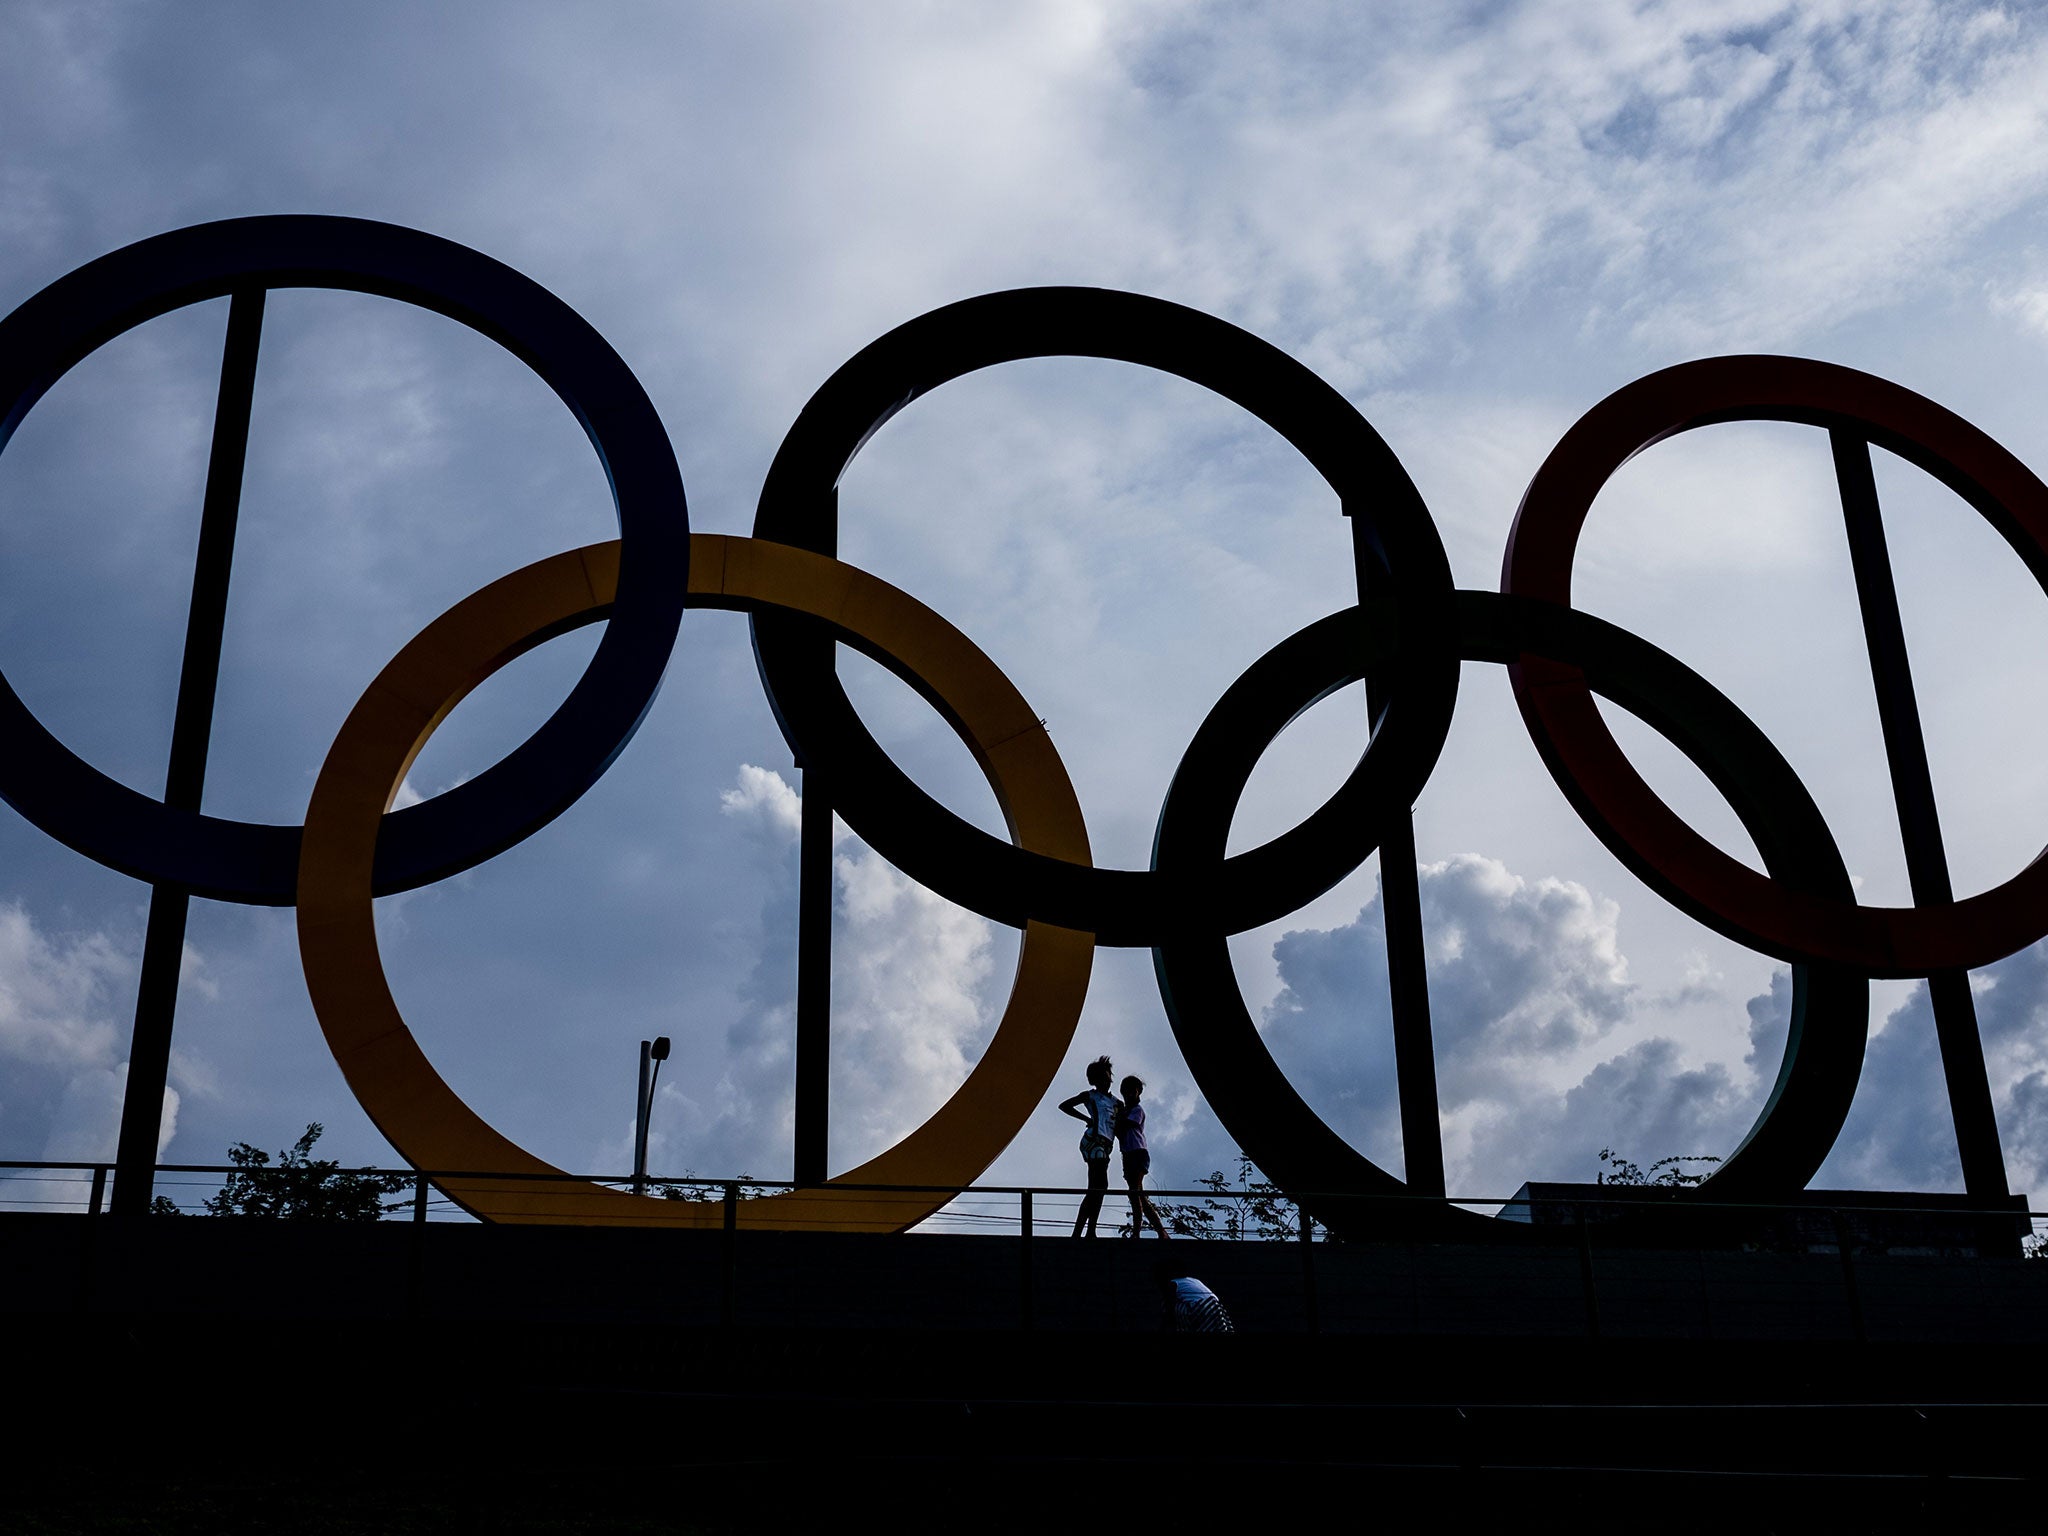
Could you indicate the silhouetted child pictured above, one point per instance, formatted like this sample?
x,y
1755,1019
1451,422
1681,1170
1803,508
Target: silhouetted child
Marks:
x,y
1097,1110
1130,1132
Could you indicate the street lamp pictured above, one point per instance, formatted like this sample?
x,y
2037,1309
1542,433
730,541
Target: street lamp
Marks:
x,y
652,1054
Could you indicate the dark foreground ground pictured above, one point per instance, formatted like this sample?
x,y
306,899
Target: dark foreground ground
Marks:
x,y
219,1377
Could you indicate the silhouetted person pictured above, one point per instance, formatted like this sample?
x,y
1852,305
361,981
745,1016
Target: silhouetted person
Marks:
x,y
1130,1134
1097,1110
1191,1307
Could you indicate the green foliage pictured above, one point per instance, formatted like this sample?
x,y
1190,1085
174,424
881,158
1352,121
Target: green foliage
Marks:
x,y
1248,1206
1666,1171
690,1187
302,1188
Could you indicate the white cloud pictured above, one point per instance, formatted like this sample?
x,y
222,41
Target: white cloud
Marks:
x,y
2026,303
87,1126
1709,176
764,797
55,994
911,1010
62,1031
1530,995
911,1004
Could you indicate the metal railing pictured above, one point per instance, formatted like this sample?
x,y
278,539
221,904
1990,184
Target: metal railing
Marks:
x,y
1009,1209
1256,1216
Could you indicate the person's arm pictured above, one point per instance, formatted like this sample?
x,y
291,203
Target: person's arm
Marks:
x,y
1072,1107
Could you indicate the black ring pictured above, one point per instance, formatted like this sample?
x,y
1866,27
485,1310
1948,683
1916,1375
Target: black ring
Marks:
x,y
1401,549
257,863
1245,1087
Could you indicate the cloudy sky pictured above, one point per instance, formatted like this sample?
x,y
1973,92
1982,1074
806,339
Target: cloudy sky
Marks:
x,y
1476,221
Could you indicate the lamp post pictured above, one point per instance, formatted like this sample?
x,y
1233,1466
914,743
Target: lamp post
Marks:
x,y
652,1054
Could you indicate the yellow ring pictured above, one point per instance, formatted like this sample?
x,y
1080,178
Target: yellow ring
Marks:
x,y
424,1118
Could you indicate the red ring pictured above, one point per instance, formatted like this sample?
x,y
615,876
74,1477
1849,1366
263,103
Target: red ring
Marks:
x,y
1557,705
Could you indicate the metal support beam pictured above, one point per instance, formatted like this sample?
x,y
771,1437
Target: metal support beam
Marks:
x,y
813,978
1422,1147
1955,1012
1027,1291
163,945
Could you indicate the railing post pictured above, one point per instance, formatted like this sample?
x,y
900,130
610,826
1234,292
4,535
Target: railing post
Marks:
x,y
88,1246
730,1257
1026,1299
99,1189
1308,1271
416,1258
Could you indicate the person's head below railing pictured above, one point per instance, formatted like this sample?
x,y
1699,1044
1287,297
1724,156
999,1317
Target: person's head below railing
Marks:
x,y
1191,1307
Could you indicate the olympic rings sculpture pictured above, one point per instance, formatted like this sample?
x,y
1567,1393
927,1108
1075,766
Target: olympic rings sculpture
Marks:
x,y
1407,637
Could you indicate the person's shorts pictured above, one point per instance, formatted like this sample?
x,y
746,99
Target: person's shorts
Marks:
x,y
1136,1165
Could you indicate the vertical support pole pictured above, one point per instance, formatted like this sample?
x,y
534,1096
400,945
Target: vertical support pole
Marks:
x,y
416,1255
89,1239
1024,1281
99,1190
163,945
1308,1271
1422,1146
814,977
640,1108
1905,748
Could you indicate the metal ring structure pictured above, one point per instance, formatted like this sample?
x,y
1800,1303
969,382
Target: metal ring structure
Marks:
x,y
424,1118
256,863
1765,913
1014,884
1409,635
1245,1087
